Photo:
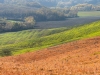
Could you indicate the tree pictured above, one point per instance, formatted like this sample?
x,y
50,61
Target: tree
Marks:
x,y
30,20
16,26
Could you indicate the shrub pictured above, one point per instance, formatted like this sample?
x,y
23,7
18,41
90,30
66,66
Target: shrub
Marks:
x,y
5,52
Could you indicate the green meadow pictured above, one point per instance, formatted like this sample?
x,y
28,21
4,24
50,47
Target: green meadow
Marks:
x,y
36,39
89,13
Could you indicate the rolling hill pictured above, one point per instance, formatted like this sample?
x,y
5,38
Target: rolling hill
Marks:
x,y
70,50
56,51
30,40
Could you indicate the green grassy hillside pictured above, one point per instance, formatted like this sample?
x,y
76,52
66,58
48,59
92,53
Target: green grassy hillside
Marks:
x,y
30,40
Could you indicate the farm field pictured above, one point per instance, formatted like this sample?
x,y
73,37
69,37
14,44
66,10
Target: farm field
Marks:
x,y
89,13
74,58
32,40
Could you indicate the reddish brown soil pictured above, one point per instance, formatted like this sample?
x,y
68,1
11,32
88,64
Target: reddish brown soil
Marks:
x,y
75,58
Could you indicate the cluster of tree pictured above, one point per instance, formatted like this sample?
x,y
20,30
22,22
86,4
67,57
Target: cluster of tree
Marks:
x,y
6,25
27,15
40,14
86,7
68,12
70,3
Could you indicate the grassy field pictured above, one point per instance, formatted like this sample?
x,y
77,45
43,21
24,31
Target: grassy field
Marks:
x,y
31,40
88,13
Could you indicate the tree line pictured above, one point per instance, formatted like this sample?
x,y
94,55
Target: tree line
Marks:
x,y
12,25
86,7
24,17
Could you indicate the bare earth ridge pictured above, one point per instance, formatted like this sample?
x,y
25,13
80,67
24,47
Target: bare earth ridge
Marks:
x,y
74,58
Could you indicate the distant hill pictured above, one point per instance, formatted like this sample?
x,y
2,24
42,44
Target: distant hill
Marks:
x,y
1,1
53,3
94,2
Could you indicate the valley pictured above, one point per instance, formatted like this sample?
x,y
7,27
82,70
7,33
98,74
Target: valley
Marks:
x,y
49,37
69,22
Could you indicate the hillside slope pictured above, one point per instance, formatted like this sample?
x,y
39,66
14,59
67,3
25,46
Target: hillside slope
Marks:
x,y
30,40
74,58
